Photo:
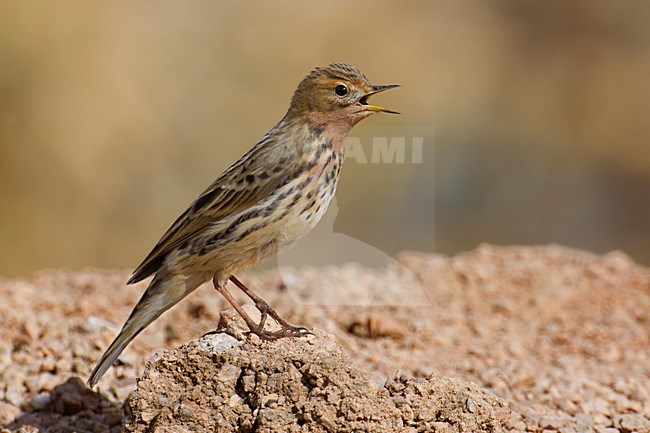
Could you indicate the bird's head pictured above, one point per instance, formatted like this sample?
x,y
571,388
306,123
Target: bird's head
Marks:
x,y
336,94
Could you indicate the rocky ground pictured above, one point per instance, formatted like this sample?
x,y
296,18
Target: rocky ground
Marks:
x,y
551,339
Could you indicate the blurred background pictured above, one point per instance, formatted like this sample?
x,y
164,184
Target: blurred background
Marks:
x,y
114,117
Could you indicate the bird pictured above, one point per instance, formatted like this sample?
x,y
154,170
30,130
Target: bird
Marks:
x,y
269,198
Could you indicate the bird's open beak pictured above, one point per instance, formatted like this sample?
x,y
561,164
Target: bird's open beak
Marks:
x,y
377,89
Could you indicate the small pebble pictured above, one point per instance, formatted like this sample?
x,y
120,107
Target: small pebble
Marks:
x,y
41,401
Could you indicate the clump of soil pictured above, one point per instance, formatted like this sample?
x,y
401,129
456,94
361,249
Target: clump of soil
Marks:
x,y
219,383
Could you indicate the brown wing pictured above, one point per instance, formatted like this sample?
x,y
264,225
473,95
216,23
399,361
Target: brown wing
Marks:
x,y
239,187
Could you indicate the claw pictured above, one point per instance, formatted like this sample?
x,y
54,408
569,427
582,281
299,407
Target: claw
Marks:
x,y
293,331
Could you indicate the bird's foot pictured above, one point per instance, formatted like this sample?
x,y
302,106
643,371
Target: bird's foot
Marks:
x,y
286,330
290,331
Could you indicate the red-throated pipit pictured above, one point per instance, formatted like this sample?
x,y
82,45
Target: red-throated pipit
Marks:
x,y
264,202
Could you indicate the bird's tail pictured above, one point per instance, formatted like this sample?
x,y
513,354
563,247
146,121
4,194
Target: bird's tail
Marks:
x,y
162,293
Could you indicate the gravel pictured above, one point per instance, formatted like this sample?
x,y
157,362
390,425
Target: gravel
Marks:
x,y
561,336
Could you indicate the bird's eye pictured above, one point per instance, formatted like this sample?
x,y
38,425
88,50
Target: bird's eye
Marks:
x,y
341,90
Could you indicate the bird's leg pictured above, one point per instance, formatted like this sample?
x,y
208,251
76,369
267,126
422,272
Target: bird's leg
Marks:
x,y
287,329
231,300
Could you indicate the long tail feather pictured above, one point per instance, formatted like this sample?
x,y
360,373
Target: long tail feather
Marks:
x,y
161,295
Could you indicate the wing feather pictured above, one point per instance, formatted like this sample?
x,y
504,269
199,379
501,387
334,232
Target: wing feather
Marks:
x,y
236,189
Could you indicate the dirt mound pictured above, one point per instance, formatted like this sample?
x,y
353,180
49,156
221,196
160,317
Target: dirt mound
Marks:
x,y
219,383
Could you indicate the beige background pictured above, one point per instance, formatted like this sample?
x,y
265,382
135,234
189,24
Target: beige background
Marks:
x,y
115,115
